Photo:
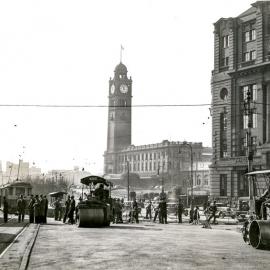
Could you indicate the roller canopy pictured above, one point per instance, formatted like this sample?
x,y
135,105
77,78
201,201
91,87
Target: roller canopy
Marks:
x,y
94,179
57,194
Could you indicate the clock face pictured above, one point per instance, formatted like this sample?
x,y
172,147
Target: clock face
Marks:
x,y
112,89
123,88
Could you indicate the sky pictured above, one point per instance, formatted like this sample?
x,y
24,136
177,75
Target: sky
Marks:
x,y
64,52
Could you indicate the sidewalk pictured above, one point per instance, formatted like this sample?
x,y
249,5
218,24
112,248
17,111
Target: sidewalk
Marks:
x,y
15,257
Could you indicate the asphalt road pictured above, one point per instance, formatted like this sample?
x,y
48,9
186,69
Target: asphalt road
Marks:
x,y
144,246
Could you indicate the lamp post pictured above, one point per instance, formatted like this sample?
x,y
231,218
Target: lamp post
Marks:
x,y
249,113
127,180
191,169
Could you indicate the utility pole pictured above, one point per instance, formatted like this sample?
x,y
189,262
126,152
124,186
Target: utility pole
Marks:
x,y
127,180
191,170
249,114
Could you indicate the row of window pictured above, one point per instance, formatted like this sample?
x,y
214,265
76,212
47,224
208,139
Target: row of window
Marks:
x,y
119,102
249,56
157,156
248,35
242,185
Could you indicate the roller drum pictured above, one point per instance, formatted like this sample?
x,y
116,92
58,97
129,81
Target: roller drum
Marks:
x,y
91,217
259,233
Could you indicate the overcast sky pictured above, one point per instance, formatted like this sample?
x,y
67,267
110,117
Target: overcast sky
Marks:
x,y
64,52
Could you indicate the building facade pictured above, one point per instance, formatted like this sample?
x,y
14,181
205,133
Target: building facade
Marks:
x,y
167,163
240,100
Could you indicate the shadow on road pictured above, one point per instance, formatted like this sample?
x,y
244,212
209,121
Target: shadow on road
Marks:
x,y
131,227
5,240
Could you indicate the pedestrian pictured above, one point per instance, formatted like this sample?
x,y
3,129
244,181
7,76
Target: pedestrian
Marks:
x,y
77,210
156,210
46,208
71,210
191,214
5,209
180,210
213,210
67,205
135,210
57,209
149,210
37,210
21,204
163,211
31,209
196,216
118,211
42,209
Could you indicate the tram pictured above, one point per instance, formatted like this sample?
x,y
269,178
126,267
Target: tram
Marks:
x,y
12,191
94,208
256,231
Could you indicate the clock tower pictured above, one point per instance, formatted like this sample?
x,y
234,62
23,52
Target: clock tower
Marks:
x,y
119,116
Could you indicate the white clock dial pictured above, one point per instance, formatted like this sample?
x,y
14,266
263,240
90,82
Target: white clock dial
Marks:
x,y
123,88
112,89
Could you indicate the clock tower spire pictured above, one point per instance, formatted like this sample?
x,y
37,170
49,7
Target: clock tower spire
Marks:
x,y
119,116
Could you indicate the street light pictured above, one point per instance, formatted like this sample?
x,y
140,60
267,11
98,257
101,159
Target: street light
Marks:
x,y
191,169
127,180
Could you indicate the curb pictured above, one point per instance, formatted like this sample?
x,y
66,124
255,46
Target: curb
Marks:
x,y
28,251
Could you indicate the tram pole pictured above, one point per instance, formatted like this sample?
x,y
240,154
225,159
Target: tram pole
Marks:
x,y
249,113
127,180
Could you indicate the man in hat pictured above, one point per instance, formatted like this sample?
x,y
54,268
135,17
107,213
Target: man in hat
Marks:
x,y
71,210
213,210
21,204
5,210
180,210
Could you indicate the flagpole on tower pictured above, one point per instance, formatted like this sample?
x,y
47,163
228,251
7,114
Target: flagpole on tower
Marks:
x,y
121,49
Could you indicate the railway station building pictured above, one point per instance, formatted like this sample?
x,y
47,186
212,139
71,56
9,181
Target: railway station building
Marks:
x,y
165,163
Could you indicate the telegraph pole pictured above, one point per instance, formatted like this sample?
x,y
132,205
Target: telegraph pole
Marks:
x,y
127,180
249,113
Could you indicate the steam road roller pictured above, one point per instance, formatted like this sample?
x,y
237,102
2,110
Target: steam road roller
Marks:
x,y
94,209
256,230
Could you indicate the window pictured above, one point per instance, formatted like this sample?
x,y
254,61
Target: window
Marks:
x,y
254,92
225,61
226,41
246,56
254,119
250,33
247,36
252,55
223,185
252,88
249,56
253,34
245,121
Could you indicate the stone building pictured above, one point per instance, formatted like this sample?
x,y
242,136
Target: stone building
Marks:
x,y
167,163
240,100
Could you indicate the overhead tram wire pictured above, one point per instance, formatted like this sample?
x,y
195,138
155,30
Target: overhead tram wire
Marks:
x,y
123,106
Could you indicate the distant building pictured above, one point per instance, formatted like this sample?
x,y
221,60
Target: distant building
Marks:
x,y
167,162
240,100
70,176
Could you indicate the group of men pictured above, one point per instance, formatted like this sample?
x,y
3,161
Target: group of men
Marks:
x,y
69,210
37,208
